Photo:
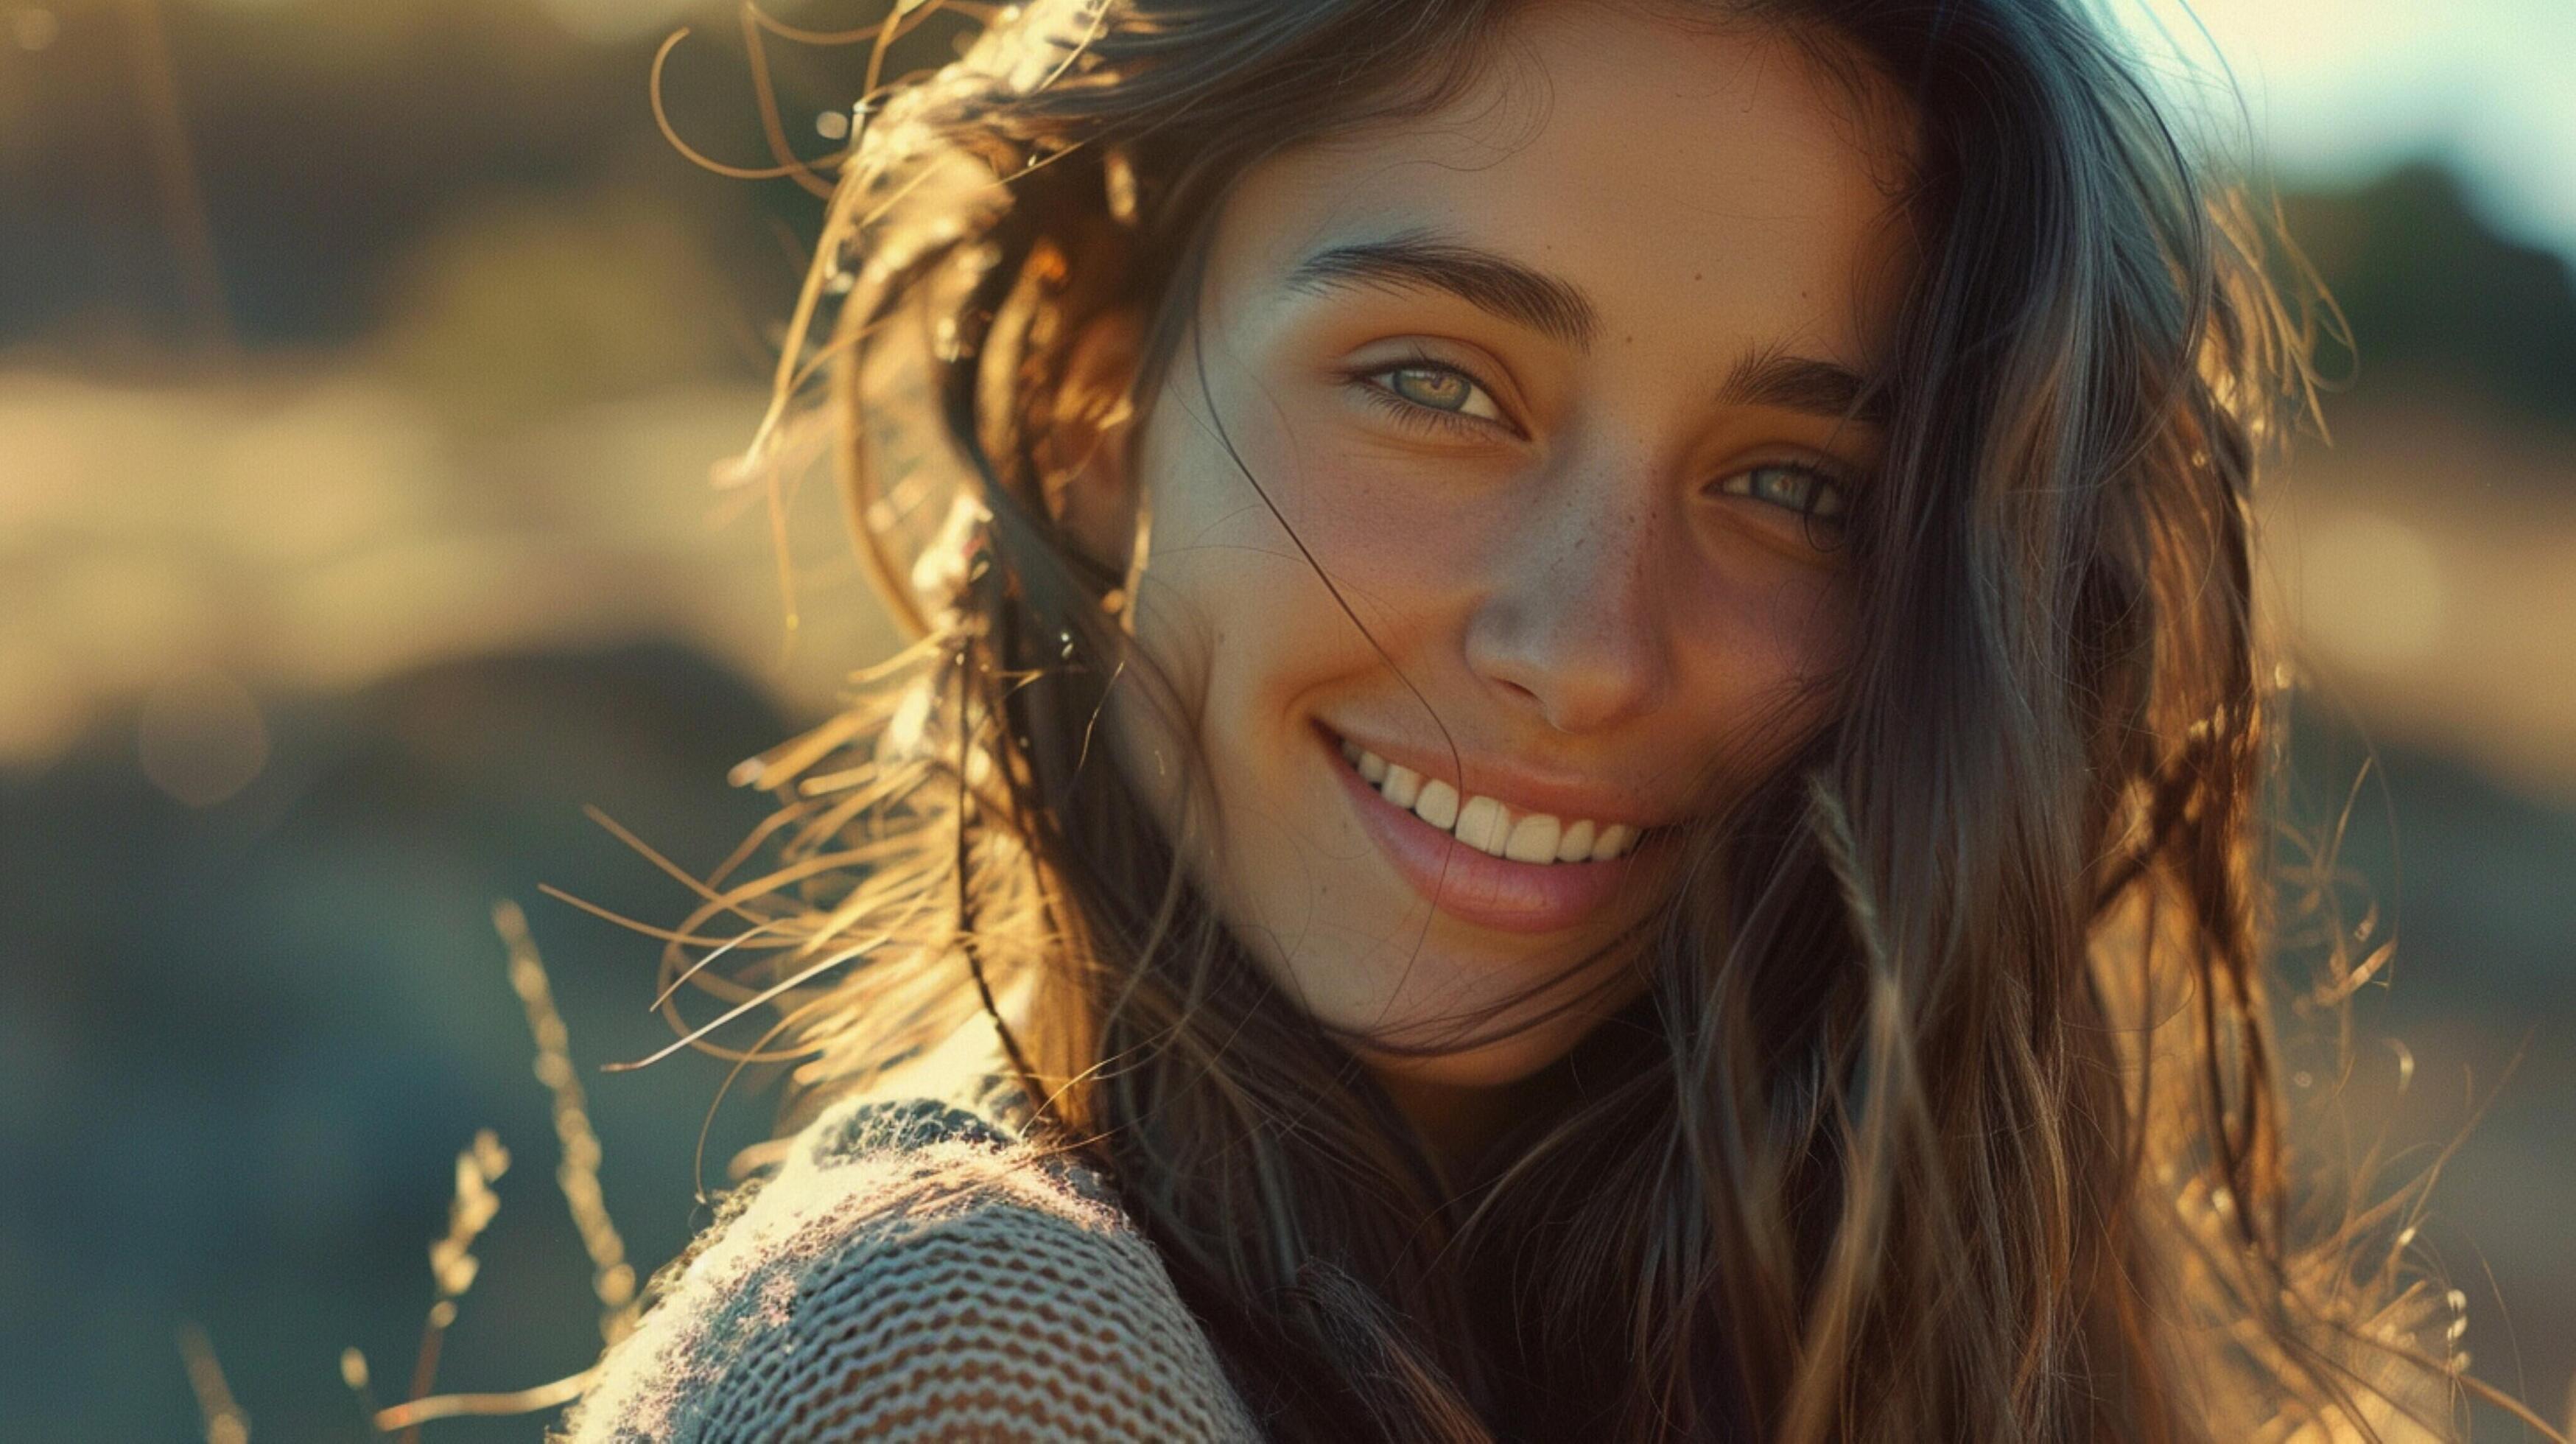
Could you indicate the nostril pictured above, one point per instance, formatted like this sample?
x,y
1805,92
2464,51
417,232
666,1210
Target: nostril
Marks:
x,y
1579,668
1529,697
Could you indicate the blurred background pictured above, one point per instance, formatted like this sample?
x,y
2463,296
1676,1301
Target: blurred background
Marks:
x,y
366,372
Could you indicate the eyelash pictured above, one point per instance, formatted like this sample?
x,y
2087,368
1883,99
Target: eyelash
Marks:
x,y
1431,418
1413,413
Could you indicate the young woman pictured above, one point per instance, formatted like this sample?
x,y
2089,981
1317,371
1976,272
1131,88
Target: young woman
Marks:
x,y
1584,762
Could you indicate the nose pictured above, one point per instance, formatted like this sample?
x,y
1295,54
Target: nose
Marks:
x,y
1573,623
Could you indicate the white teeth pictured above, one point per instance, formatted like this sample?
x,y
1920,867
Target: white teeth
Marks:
x,y
1486,824
1615,839
1438,804
1533,839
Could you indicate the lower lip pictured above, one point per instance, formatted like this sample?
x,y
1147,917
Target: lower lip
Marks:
x,y
1473,885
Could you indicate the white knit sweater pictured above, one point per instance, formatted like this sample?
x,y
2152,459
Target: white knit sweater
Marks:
x,y
913,1270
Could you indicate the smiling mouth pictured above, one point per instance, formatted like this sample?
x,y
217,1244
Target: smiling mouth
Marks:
x,y
1486,824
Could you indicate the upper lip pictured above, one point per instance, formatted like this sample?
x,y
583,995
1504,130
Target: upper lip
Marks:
x,y
1518,786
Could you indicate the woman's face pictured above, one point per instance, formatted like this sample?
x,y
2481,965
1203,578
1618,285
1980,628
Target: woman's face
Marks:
x,y
1552,393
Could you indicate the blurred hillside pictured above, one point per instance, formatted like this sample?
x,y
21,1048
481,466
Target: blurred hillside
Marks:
x,y
244,1042
328,148
2438,300
2425,544
364,370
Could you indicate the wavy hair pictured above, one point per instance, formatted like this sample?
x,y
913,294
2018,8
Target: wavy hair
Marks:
x,y
1949,1110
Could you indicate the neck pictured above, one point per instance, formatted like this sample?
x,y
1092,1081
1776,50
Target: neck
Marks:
x,y
1459,1123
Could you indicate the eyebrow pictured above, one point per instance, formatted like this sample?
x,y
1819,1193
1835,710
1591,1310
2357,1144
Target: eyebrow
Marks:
x,y
1772,377
1423,260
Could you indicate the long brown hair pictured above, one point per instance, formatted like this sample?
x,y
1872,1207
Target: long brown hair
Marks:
x,y
1949,1111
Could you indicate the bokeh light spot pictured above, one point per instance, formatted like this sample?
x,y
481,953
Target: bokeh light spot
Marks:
x,y
35,29
43,700
201,738
2374,591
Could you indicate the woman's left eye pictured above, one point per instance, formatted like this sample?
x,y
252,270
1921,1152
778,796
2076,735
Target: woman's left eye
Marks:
x,y
1805,490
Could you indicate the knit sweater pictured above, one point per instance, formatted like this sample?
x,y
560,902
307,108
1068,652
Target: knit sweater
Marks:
x,y
913,1269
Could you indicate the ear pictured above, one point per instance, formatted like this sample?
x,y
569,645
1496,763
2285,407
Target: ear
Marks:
x,y
1084,453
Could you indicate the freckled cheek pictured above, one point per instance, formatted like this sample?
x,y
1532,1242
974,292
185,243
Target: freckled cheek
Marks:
x,y
1396,531
1234,610
1765,653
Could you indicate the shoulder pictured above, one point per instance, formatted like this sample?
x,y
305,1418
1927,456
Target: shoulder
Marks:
x,y
912,1269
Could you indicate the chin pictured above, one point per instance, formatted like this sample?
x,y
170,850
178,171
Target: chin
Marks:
x,y
1495,1064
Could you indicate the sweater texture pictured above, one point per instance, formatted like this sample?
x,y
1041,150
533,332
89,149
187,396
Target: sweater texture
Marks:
x,y
913,1269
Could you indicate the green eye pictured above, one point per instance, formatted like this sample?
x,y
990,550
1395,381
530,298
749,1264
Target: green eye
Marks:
x,y
1446,390
1805,490
1437,388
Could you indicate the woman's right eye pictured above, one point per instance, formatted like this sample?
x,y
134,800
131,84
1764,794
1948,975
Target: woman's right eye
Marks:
x,y
1431,393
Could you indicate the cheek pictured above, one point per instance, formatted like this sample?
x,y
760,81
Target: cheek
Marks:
x,y
1408,543
1231,612
1254,581
1763,648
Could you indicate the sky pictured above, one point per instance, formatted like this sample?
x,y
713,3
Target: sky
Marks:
x,y
2339,90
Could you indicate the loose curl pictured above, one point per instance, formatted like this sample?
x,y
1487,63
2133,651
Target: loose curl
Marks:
x,y
1949,1112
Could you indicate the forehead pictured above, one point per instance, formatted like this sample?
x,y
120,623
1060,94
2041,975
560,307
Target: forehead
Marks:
x,y
1685,179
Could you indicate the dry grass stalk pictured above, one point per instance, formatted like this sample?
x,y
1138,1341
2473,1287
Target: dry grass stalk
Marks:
x,y
409,1417
612,1277
452,1264
225,1422
354,1373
